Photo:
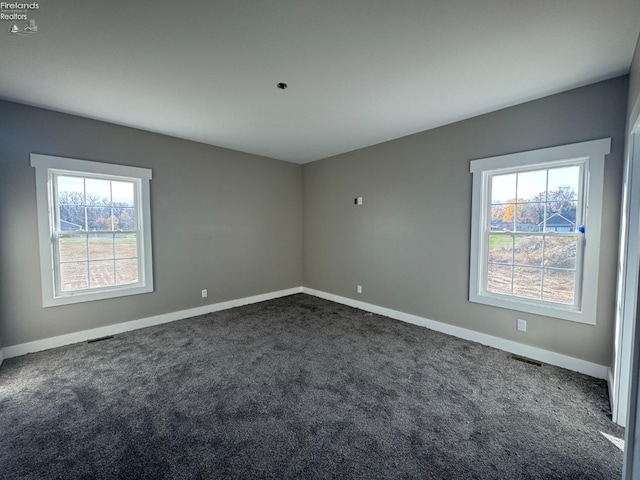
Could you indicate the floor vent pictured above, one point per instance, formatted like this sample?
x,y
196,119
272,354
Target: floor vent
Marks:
x,y
526,360
93,340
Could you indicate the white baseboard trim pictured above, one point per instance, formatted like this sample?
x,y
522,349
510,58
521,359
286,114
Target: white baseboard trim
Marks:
x,y
84,335
535,353
546,356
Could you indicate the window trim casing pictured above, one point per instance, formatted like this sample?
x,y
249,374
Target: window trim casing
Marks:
x,y
44,166
594,152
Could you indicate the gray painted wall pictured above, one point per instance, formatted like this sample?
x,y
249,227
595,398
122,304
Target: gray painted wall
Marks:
x,y
222,220
408,245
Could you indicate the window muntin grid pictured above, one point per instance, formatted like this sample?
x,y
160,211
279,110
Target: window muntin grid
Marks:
x,y
533,244
96,232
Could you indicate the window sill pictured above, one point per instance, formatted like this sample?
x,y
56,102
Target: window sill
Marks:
x,y
89,296
522,305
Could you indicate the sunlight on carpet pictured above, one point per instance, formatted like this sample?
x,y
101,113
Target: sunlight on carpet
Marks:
x,y
618,442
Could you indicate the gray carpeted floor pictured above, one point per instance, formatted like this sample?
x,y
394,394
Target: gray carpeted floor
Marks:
x,y
298,387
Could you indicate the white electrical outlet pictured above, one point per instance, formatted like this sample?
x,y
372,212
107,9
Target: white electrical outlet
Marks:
x,y
359,289
357,201
522,325
204,293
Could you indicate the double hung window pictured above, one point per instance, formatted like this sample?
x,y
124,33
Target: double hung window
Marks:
x,y
94,229
536,230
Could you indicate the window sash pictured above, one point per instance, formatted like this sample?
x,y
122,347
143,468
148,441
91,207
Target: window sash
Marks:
x,y
577,290
57,258
55,221
489,175
582,163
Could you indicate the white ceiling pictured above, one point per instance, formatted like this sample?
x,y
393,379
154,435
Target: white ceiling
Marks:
x,y
360,72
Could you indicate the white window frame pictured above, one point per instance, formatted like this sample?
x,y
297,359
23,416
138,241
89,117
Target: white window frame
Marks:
x,y
46,168
590,154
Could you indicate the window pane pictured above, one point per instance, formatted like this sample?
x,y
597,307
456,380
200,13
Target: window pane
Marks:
x,y
565,180
527,282
73,276
70,190
126,271
126,246
526,220
503,188
531,184
101,273
560,252
70,204
70,218
126,218
497,213
559,286
98,191
100,247
502,217
561,217
123,193
499,279
112,222
534,214
511,214
501,249
99,218
73,248
528,250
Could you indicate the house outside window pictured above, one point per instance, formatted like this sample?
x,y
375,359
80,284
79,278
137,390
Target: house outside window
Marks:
x,y
536,230
94,229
